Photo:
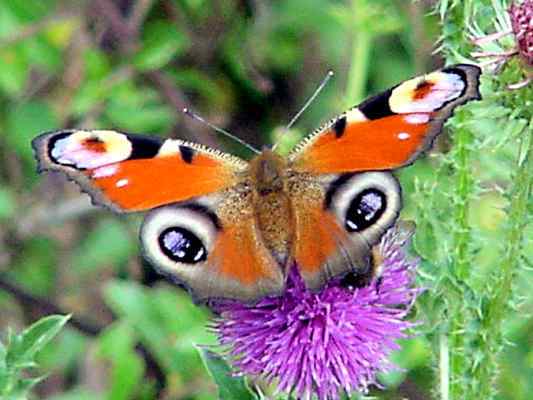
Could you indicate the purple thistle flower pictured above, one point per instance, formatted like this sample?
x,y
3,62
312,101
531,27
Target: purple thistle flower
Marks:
x,y
520,16
324,343
522,23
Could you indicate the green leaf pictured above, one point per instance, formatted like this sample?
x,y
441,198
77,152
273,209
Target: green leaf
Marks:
x,y
39,52
26,121
108,243
20,353
7,203
3,352
24,385
60,32
117,345
424,239
134,117
212,91
88,96
14,71
38,265
97,64
162,41
29,10
9,22
166,320
229,387
64,352
129,301
24,347
100,80
76,394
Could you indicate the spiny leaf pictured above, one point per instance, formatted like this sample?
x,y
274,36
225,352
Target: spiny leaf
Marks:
x,y
26,345
20,352
229,387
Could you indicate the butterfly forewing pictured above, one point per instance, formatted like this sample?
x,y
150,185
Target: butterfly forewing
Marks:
x,y
391,129
133,172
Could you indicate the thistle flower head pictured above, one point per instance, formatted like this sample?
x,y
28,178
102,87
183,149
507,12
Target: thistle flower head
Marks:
x,y
522,23
320,344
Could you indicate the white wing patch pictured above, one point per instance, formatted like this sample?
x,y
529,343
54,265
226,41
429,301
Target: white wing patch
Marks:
x,y
443,87
416,119
84,149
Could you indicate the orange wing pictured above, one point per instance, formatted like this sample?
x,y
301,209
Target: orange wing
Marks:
x,y
338,220
213,247
244,264
391,129
132,172
319,242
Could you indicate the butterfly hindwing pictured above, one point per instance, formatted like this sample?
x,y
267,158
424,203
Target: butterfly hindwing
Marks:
x,y
133,172
391,129
337,221
213,246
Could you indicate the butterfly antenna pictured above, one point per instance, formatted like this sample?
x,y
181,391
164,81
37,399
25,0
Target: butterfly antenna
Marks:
x,y
324,82
195,116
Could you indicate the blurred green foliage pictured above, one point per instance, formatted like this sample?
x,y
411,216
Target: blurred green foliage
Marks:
x,y
19,353
248,66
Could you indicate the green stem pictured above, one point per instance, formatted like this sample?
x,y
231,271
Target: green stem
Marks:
x,y
513,237
456,282
461,261
358,73
518,216
456,349
462,196
444,367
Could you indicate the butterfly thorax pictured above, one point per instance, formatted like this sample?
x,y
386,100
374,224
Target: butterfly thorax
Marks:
x,y
271,203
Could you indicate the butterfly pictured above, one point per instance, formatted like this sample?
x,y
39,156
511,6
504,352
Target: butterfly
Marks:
x,y
229,228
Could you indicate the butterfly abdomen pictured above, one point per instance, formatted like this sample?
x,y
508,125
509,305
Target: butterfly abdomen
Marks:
x,y
271,204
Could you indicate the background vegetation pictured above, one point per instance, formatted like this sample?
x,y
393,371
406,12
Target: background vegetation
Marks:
x,y
248,66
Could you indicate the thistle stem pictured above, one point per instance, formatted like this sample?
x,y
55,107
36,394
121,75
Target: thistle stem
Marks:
x,y
358,73
513,237
444,367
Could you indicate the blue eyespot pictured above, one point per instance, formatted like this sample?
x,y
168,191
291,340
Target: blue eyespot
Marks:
x,y
365,209
181,245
